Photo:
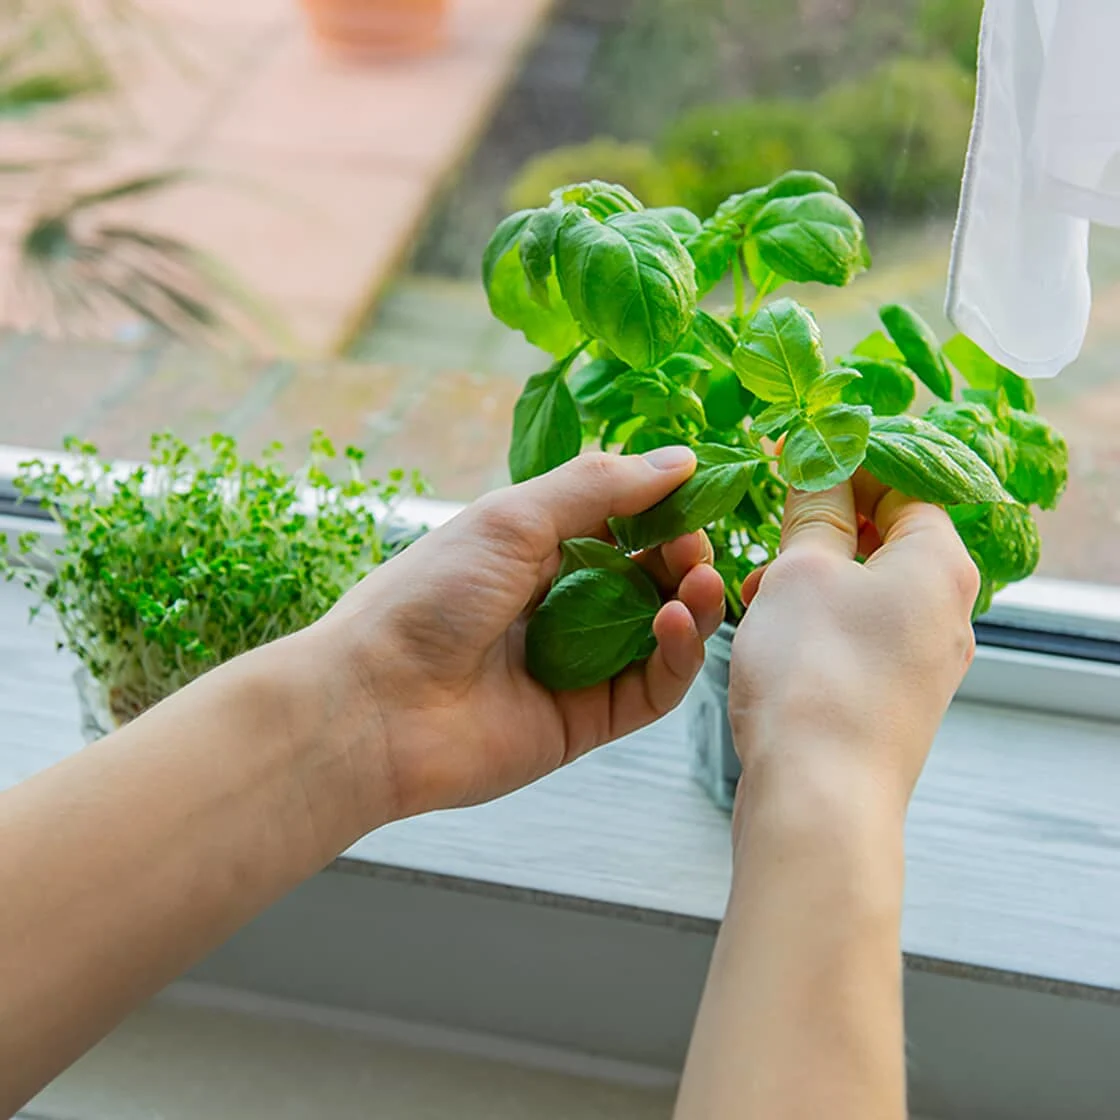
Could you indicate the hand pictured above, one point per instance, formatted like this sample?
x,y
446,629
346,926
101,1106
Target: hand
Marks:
x,y
843,671
433,641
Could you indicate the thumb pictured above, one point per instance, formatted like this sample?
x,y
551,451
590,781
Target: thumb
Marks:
x,y
826,520
576,498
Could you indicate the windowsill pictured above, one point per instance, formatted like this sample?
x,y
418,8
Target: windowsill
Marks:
x,y
1014,827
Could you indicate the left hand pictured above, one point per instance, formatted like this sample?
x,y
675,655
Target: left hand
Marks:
x,y
432,643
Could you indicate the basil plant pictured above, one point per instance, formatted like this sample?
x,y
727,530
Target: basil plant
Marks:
x,y
612,292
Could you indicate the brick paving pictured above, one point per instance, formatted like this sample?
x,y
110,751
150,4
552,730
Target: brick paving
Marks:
x,y
310,176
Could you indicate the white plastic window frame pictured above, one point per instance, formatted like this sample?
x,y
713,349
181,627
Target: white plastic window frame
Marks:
x,y
1081,685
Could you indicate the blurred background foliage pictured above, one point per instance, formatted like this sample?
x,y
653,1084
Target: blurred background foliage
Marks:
x,y
687,101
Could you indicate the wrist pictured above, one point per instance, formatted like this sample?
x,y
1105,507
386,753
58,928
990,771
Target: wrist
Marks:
x,y
333,732
819,799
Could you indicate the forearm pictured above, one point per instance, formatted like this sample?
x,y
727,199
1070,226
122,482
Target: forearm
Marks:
x,y
124,864
802,1015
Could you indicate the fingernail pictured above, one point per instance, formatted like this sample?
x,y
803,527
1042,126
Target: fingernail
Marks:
x,y
670,458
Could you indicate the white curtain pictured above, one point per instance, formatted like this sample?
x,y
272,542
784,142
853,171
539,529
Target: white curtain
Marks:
x,y
1043,162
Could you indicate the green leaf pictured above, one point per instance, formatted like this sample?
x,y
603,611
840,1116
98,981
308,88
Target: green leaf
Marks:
x,y
684,367
1002,539
885,385
721,479
714,246
590,552
976,427
825,449
593,387
592,624
915,338
546,427
507,287
601,200
629,283
829,388
878,345
658,397
984,372
684,223
712,250
726,402
1041,460
799,182
811,237
921,461
537,246
774,419
715,336
780,355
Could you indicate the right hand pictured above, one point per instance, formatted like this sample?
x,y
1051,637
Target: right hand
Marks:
x,y
841,672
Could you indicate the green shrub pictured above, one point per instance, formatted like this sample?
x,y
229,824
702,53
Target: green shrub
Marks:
x,y
906,125
180,564
634,166
716,150
951,27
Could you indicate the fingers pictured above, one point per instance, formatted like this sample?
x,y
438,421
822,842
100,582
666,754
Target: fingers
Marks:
x,y
670,563
645,692
575,499
702,593
826,520
751,585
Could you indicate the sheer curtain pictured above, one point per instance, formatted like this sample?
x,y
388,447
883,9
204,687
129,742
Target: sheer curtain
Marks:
x,y
1043,163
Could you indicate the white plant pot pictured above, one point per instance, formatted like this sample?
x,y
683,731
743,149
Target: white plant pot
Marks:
x,y
96,720
714,761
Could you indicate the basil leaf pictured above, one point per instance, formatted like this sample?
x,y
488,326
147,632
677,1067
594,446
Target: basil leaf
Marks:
x,y
877,345
658,397
536,248
711,250
590,552
976,427
921,461
781,354
1041,463
829,388
629,283
810,237
915,338
726,402
715,336
885,385
800,182
593,385
1002,539
985,373
684,223
684,367
598,198
774,419
715,245
551,328
546,427
721,479
591,625
824,449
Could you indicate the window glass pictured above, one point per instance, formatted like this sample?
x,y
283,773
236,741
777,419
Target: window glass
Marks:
x,y
265,217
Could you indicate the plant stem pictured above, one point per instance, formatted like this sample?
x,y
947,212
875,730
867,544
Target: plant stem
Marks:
x,y
740,285
764,290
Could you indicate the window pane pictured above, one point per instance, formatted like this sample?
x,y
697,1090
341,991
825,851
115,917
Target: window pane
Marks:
x,y
304,192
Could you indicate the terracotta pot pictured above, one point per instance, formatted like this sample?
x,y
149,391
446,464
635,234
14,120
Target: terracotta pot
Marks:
x,y
377,28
